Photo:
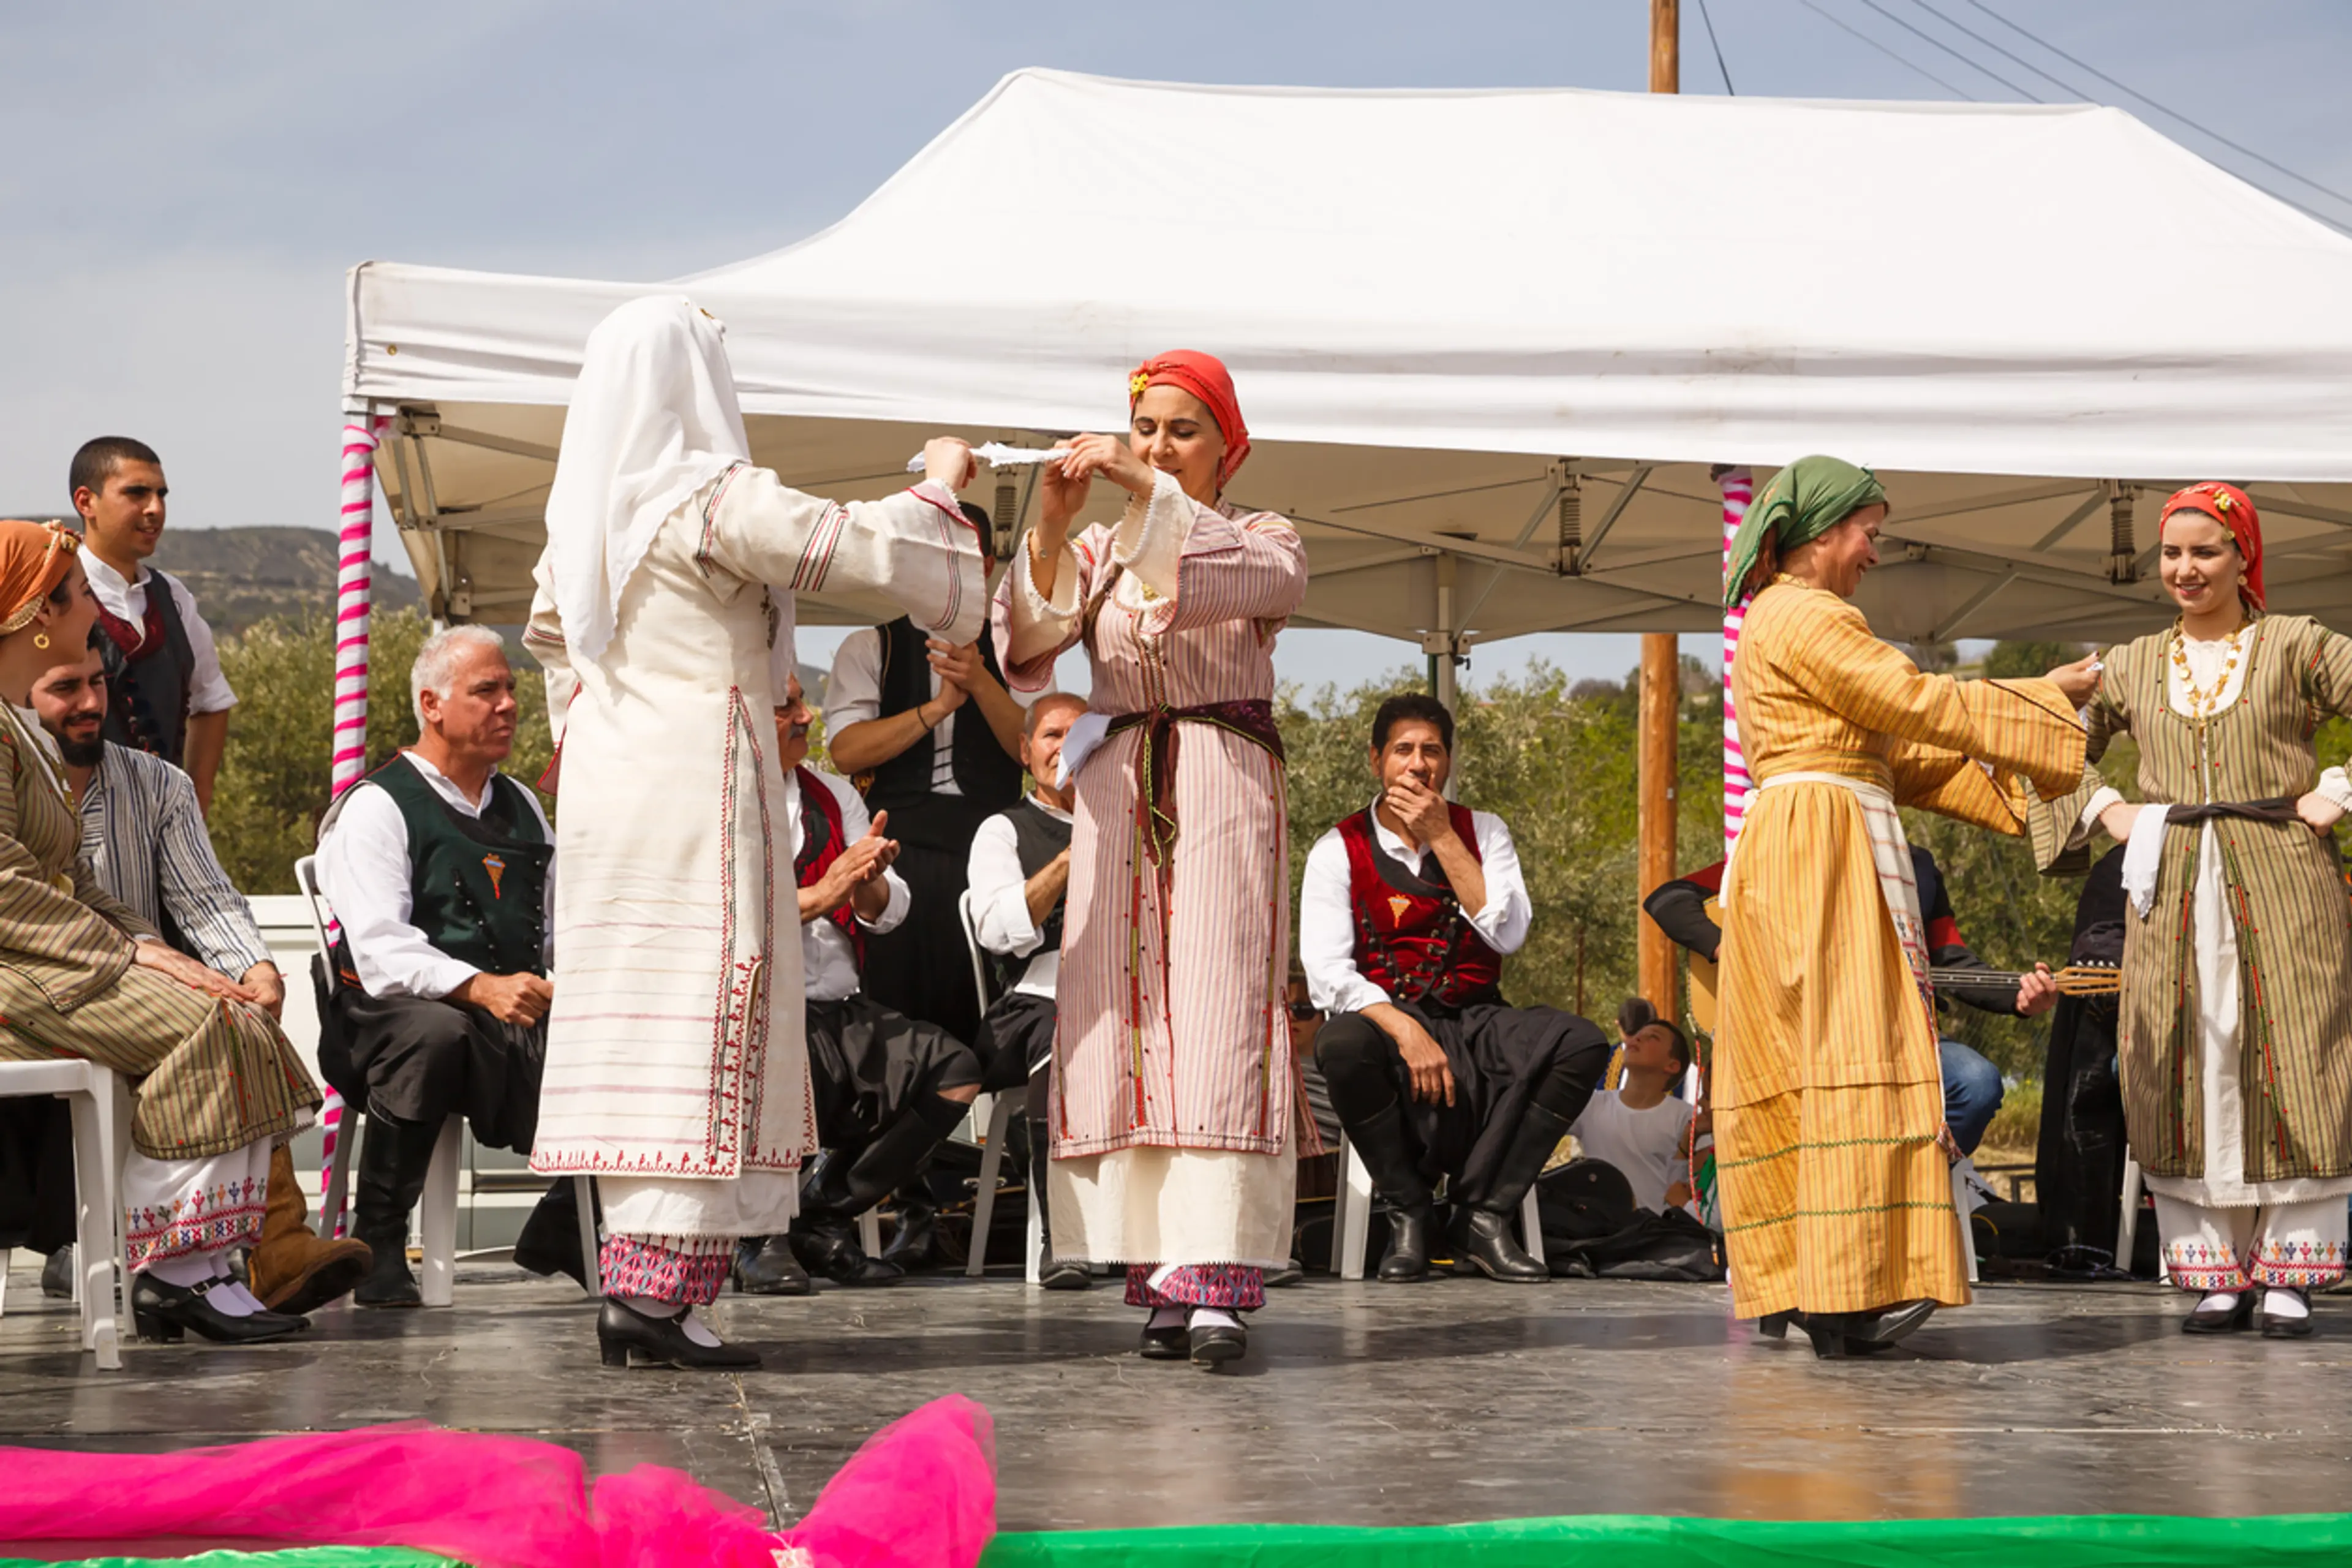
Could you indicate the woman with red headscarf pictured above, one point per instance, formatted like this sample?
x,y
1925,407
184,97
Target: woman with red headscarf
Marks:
x,y
1172,1081
2236,1029
213,1082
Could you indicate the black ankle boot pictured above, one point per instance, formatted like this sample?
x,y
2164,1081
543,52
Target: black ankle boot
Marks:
x,y
765,1265
392,1160
828,1246
1483,1241
549,1242
1379,1141
1053,1273
916,1246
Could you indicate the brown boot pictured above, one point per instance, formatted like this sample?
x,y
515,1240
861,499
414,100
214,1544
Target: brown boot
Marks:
x,y
292,1270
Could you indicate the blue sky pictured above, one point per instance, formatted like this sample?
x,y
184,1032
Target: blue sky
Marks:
x,y
185,185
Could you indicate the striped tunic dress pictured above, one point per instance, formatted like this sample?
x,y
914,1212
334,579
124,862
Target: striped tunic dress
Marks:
x,y
2288,1071
1828,1101
1173,1078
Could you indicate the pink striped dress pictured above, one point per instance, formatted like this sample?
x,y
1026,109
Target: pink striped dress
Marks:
x,y
1173,1078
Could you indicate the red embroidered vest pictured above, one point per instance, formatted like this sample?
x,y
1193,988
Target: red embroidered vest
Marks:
x,y
1412,940
822,838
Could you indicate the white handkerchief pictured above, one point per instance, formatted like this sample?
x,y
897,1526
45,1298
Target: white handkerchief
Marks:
x,y
2144,856
1079,744
998,454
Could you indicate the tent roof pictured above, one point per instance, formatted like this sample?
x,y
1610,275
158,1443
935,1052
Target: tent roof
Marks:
x,y
1438,304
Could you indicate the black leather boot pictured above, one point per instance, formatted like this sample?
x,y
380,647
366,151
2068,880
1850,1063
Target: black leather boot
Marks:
x,y
825,1238
765,1265
1379,1141
1483,1242
549,1242
915,1248
394,1157
1053,1273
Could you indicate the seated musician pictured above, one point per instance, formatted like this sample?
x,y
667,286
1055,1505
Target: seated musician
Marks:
x,y
440,871
886,1089
1019,874
1408,911
1972,1086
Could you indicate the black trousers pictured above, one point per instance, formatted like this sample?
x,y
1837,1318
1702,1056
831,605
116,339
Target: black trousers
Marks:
x,y
2079,1161
421,1062
1503,1059
922,968
37,1174
869,1064
1015,1039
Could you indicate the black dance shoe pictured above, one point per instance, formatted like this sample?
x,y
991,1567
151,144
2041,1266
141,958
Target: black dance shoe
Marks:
x,y
765,1265
56,1274
829,1249
549,1242
167,1312
1483,1244
2234,1318
1891,1325
1170,1343
1838,1335
628,1338
1064,1274
1413,1227
1290,1273
1214,1344
2287,1328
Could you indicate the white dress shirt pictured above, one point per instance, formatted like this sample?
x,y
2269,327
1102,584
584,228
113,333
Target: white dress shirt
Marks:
x,y
1000,901
1327,919
364,871
208,690
853,694
829,961
1646,1146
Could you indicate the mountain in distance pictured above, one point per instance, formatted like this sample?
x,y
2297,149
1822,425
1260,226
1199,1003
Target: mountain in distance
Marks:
x,y
242,575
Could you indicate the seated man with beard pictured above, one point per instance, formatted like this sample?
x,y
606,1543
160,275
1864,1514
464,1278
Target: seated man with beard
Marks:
x,y
886,1089
1408,910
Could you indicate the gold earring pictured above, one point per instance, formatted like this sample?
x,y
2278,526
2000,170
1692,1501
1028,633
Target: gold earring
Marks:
x,y
40,639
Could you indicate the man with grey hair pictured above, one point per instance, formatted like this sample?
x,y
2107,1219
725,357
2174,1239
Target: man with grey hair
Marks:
x,y
440,872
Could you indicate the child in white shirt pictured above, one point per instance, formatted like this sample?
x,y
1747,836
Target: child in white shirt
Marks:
x,y
1640,1127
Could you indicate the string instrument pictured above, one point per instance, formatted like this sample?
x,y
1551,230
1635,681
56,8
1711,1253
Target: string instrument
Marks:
x,y
2075,980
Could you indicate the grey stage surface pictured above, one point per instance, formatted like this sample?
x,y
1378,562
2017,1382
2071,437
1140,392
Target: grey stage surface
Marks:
x,y
1360,1404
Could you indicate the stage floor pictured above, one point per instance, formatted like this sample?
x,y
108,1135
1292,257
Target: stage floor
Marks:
x,y
1360,1403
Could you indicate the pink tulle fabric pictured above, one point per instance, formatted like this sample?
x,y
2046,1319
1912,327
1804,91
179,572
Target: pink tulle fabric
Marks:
x,y
921,1493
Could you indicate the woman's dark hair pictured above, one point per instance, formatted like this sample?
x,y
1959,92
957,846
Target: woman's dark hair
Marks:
x,y
1412,706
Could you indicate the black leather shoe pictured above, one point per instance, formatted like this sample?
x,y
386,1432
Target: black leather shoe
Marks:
x,y
1170,1343
388,1283
2234,1318
1483,1244
1290,1273
2287,1328
1878,1329
56,1274
549,1242
628,1338
829,1249
167,1312
1774,1325
1213,1346
765,1265
1413,1228
1064,1274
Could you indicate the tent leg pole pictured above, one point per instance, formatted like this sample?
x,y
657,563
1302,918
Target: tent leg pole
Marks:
x,y
1660,693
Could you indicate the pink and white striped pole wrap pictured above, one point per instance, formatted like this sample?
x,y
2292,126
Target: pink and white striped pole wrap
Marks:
x,y
363,430
1738,487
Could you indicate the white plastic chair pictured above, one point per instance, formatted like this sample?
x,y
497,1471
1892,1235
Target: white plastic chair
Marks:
x,y
999,1113
2128,1223
437,1209
98,1101
1351,1216
1962,1169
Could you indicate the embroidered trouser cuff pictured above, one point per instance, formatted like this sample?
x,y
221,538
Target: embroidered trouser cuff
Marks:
x,y
2288,1244
687,1268
1235,1286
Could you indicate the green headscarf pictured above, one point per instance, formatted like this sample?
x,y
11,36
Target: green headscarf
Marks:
x,y
1804,500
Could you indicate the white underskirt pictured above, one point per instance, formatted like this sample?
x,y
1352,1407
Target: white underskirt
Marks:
x,y
1175,1206
757,1202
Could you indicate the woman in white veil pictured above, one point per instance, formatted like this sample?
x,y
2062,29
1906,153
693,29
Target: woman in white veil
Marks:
x,y
676,1072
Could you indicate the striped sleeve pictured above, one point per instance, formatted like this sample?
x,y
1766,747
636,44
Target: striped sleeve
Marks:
x,y
210,912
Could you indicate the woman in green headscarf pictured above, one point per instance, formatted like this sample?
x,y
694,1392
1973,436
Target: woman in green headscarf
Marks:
x,y
1828,1103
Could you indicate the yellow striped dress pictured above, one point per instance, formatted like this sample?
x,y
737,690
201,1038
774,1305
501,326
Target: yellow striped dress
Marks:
x,y
1827,1096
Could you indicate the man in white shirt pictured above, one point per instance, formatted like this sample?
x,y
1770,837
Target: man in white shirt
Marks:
x,y
440,872
886,1088
166,693
1408,910
1019,876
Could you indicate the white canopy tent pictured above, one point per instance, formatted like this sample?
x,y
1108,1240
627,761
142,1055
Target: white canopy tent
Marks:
x,y
1489,342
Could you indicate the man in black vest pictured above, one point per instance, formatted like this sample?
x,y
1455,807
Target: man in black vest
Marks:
x,y
165,687
1407,911
439,869
1020,874
930,734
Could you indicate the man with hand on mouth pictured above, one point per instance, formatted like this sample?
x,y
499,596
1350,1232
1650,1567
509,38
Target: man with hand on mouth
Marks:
x,y
165,692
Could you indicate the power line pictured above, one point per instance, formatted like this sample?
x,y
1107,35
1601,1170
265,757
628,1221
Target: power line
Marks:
x,y
2168,111
1947,48
1703,16
2067,87
1890,54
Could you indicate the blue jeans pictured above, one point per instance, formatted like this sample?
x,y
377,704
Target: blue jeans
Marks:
x,y
1972,1093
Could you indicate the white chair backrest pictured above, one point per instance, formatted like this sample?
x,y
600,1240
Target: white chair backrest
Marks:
x,y
965,919
306,877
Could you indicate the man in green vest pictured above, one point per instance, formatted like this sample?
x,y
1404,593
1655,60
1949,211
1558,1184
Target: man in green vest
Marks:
x,y
439,869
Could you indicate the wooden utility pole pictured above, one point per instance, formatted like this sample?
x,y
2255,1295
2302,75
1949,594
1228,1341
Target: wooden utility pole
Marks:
x,y
1661,694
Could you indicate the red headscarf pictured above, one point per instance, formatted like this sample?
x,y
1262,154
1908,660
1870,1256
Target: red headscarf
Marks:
x,y
2233,510
1206,378
34,559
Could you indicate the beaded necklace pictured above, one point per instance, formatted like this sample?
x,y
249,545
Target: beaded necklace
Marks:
x,y
2201,700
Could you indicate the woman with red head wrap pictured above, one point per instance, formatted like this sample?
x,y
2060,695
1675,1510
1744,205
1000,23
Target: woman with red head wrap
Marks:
x,y
213,1082
2236,1032
1172,1079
